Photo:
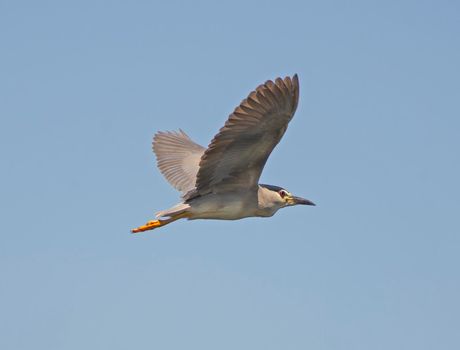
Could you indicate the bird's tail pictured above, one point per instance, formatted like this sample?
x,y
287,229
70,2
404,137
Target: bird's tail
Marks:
x,y
177,209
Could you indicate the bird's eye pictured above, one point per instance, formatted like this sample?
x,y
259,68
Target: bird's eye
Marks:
x,y
282,193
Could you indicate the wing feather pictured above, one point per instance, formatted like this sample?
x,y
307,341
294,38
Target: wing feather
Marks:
x,y
237,154
178,158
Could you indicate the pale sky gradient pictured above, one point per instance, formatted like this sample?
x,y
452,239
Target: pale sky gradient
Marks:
x,y
375,143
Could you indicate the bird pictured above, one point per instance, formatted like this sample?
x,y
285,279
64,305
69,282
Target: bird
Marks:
x,y
222,181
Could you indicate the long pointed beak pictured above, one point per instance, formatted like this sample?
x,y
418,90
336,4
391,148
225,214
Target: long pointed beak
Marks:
x,y
299,200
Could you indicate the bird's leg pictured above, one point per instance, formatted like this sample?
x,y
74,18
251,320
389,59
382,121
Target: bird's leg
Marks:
x,y
150,225
153,224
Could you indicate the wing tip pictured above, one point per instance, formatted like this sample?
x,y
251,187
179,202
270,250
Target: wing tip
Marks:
x,y
295,80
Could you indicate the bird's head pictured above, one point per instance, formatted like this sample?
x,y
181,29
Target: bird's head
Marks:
x,y
284,198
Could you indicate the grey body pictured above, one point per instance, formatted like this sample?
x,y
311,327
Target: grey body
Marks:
x,y
235,205
221,181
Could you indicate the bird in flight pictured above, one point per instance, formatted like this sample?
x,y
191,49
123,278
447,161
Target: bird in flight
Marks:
x,y
222,181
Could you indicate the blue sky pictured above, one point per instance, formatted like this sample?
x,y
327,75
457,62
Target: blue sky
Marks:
x,y
375,143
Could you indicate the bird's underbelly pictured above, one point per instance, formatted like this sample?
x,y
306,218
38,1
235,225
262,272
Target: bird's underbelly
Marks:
x,y
223,207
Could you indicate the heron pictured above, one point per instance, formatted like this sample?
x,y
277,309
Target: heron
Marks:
x,y
222,181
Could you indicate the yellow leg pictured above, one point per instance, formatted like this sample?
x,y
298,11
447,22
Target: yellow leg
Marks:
x,y
148,226
153,224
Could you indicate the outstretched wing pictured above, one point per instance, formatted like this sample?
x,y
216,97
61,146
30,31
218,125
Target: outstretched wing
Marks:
x,y
237,154
178,158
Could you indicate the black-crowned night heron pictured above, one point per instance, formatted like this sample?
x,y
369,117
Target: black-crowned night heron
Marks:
x,y
221,182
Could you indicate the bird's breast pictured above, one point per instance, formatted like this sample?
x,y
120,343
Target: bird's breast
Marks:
x,y
227,206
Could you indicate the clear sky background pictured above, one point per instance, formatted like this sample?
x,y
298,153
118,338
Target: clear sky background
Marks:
x,y
375,143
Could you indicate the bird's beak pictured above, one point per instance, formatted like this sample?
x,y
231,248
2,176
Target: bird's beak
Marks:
x,y
298,200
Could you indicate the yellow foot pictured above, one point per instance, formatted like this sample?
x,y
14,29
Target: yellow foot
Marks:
x,y
148,226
